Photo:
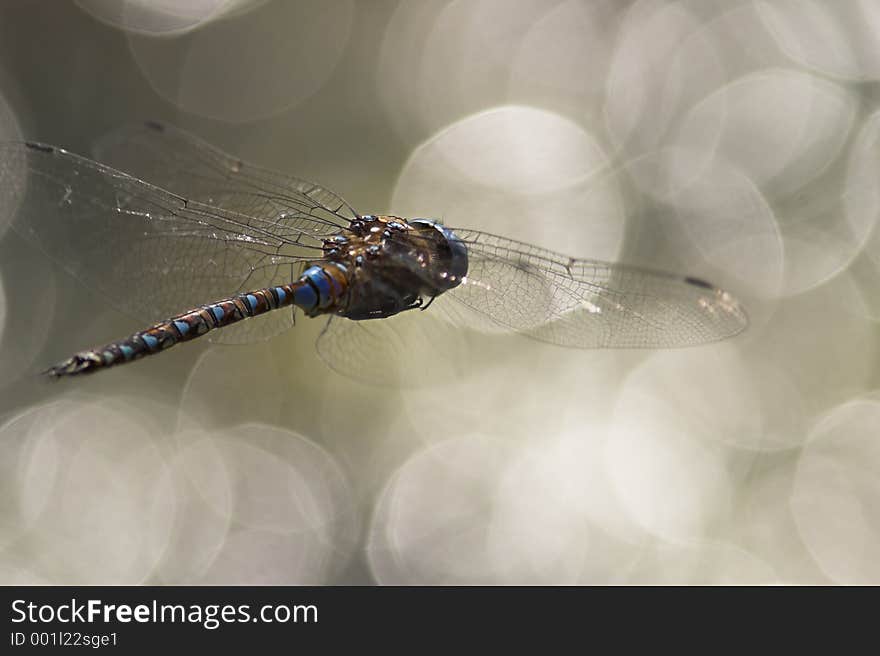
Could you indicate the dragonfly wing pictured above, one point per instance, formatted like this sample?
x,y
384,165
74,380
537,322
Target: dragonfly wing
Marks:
x,y
152,253
362,350
182,163
588,303
411,349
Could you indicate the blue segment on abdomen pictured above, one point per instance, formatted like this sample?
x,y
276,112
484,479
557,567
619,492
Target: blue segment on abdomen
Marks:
x,y
252,302
218,313
181,326
305,297
321,282
151,342
281,294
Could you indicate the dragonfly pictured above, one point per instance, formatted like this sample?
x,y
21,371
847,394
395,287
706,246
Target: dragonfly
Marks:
x,y
175,232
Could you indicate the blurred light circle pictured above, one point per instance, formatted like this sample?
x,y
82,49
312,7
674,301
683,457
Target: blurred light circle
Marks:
x,y
516,148
292,514
720,213
579,384
536,535
28,468
13,175
430,523
663,454
663,63
23,332
723,180
220,379
835,38
161,17
862,190
574,468
818,243
526,173
255,557
2,309
673,58
836,491
282,482
780,127
11,574
563,59
820,344
106,519
700,563
555,511
401,57
764,525
865,272
783,411
250,67
201,484
441,61
718,394
25,329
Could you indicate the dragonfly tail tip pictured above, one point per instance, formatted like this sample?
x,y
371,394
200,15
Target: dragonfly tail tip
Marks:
x,y
72,366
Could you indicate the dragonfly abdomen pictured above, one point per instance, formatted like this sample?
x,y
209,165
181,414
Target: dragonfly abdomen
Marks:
x,y
320,289
187,326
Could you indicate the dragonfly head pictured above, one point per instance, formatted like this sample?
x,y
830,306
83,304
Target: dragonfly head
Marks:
x,y
452,249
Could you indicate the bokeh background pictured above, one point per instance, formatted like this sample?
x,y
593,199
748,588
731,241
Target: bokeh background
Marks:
x,y
733,140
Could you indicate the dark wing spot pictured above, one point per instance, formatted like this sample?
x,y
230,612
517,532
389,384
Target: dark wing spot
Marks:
x,y
696,282
43,148
154,125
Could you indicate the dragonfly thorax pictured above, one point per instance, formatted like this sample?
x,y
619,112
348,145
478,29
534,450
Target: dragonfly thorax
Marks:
x,y
391,264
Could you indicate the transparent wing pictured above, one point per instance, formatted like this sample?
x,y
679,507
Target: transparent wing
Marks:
x,y
186,165
411,349
151,252
183,164
590,304
363,350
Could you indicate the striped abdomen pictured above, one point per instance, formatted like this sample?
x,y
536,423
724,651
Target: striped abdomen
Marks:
x,y
318,290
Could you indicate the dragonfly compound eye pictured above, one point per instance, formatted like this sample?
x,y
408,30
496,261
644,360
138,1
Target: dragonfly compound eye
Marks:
x,y
454,251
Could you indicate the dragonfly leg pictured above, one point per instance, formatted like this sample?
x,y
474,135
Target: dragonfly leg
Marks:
x,y
418,304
